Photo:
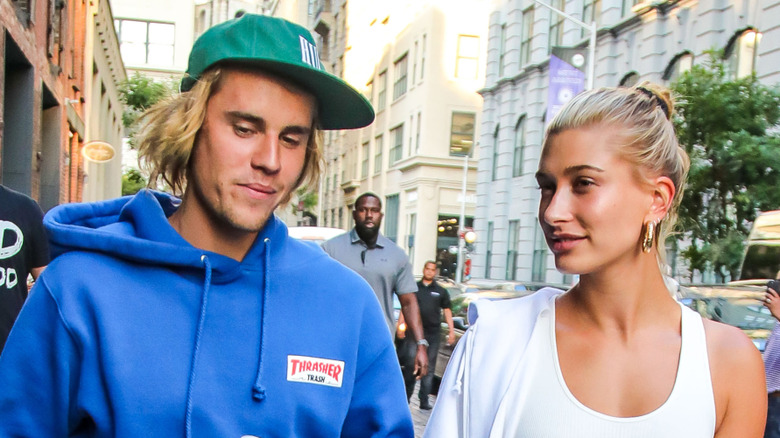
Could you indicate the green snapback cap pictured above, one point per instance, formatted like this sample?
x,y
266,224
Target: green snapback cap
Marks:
x,y
287,50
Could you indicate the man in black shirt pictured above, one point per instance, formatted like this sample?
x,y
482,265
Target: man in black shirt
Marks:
x,y
432,298
24,249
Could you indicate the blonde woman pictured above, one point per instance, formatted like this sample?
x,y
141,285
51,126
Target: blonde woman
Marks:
x,y
616,355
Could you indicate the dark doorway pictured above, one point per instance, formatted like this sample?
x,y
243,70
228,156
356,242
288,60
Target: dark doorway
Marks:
x,y
17,149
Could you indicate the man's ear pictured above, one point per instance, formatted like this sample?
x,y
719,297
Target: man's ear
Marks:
x,y
663,195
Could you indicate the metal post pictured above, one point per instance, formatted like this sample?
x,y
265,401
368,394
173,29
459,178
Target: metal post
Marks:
x,y
461,225
592,56
591,45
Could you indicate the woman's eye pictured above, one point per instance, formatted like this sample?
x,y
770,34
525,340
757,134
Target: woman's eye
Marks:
x,y
584,183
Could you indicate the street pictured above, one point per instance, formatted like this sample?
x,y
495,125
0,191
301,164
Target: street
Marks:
x,y
419,416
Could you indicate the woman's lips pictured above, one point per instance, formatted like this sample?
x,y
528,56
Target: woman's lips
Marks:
x,y
559,244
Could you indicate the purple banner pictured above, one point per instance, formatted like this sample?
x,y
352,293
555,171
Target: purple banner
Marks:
x,y
567,78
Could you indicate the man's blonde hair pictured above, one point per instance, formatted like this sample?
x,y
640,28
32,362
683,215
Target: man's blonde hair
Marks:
x,y
167,133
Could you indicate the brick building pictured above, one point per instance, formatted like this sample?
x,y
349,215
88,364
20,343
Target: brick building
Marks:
x,y
41,113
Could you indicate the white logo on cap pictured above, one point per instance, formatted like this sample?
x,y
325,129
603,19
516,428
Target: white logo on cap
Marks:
x,y
309,53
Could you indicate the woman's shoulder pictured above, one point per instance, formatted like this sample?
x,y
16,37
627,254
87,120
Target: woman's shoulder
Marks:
x,y
730,350
738,380
508,310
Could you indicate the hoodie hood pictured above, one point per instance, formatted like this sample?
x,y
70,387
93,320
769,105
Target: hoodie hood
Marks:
x,y
136,229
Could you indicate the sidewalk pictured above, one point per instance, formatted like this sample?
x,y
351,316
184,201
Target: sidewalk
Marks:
x,y
419,416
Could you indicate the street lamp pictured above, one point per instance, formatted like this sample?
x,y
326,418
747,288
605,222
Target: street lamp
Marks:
x,y
591,46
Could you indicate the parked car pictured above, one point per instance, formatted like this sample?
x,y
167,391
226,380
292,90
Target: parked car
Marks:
x,y
317,235
739,304
460,307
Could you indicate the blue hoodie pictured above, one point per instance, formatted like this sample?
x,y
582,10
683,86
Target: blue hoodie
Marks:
x,y
133,332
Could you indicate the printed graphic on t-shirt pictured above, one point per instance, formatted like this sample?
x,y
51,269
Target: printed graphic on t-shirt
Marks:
x,y
11,241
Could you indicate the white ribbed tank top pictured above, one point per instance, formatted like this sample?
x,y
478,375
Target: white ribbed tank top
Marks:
x,y
538,403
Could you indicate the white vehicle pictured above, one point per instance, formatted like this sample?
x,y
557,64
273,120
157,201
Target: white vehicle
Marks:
x,y
317,235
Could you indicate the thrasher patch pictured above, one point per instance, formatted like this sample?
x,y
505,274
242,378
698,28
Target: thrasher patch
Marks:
x,y
315,370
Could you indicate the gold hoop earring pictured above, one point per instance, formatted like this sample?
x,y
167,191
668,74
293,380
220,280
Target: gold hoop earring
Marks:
x,y
647,242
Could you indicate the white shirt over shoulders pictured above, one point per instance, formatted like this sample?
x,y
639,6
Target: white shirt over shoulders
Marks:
x,y
504,380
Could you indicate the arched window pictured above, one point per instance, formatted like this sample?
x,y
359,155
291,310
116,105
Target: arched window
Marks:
x,y
519,148
681,63
630,79
495,153
741,51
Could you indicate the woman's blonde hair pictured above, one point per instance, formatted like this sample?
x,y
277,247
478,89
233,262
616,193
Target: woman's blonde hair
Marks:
x,y
644,114
168,131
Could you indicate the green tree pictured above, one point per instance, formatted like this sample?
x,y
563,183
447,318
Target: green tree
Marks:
x,y
729,127
139,93
132,182
306,199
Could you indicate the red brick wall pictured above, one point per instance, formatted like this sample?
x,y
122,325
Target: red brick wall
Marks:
x,y
63,74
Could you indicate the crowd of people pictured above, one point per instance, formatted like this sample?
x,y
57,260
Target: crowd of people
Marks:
x,y
193,313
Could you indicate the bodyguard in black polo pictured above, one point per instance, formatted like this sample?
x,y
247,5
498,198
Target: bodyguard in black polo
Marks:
x,y
432,298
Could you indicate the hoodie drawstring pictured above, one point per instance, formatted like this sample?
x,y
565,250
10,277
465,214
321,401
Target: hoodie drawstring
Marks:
x,y
193,365
258,391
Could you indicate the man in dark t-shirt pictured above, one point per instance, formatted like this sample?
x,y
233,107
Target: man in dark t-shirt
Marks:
x,y
431,298
24,250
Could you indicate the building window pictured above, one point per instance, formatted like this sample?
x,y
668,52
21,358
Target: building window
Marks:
x,y
591,11
414,61
24,10
628,6
679,65
145,42
419,128
527,36
467,60
412,227
379,145
369,93
364,162
502,51
494,173
511,255
55,30
630,79
422,58
519,148
539,263
344,167
391,217
488,249
382,91
400,71
741,54
397,136
411,142
556,25
462,133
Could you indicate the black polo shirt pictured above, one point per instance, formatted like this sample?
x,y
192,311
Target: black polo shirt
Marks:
x,y
432,299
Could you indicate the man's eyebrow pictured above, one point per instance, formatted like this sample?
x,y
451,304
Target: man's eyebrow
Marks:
x,y
260,122
251,118
299,130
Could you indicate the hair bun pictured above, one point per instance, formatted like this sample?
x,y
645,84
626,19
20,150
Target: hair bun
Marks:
x,y
661,95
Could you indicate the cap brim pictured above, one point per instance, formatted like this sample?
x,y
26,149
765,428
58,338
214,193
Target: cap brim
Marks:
x,y
339,105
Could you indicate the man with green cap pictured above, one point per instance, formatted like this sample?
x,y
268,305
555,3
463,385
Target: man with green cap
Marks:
x,y
199,316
